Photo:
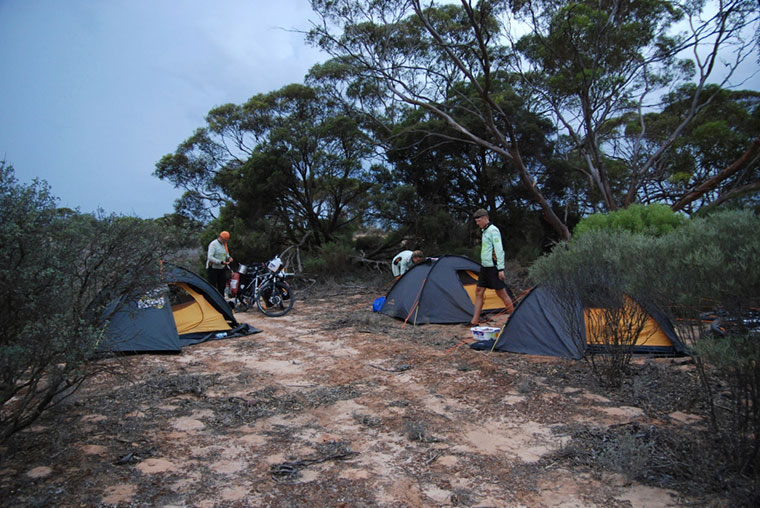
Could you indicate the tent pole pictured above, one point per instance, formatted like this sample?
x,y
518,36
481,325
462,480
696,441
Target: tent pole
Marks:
x,y
498,336
415,307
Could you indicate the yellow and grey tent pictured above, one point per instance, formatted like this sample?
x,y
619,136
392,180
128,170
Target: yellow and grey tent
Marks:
x,y
540,326
439,290
185,309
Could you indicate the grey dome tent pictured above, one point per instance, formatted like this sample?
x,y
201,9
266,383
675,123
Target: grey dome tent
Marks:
x,y
438,290
185,310
539,326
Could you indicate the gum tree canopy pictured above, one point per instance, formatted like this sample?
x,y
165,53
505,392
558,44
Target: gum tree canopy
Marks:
x,y
590,67
288,160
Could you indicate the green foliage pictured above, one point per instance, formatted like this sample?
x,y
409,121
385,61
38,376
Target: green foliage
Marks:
x,y
337,255
707,264
654,219
332,258
284,168
316,265
436,179
592,60
711,264
432,92
718,136
61,269
527,254
598,271
373,241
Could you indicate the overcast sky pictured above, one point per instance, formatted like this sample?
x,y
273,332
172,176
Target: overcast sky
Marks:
x,y
94,92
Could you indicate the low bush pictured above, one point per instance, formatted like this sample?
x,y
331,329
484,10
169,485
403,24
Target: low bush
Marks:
x,y
707,264
711,265
595,273
654,220
61,271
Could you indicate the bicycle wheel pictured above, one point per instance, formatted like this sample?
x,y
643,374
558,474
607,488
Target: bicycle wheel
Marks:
x,y
275,298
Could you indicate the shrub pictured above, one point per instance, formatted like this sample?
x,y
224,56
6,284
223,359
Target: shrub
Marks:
x,y
654,220
337,255
372,241
711,264
61,269
330,258
595,273
315,265
708,264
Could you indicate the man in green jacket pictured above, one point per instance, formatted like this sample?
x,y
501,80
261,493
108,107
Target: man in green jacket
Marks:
x,y
492,262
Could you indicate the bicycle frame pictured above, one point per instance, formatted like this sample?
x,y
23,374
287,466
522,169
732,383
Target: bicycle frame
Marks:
x,y
250,285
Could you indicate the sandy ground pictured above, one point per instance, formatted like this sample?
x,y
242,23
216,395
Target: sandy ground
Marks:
x,y
330,406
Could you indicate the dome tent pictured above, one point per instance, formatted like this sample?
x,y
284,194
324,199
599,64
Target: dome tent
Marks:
x,y
439,290
185,310
539,326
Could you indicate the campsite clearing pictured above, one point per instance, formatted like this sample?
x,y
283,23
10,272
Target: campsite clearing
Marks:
x,y
334,405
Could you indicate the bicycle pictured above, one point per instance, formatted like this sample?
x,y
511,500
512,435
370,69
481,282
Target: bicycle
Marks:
x,y
266,287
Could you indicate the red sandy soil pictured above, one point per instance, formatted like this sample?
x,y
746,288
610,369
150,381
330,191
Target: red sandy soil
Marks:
x,y
333,405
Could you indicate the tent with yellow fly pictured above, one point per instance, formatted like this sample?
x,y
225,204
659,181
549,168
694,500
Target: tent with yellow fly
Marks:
x,y
184,309
439,290
542,325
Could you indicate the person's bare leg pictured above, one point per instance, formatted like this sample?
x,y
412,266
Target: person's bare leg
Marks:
x,y
502,293
479,292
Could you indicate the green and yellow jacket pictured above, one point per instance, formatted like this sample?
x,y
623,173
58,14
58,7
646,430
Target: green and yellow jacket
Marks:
x,y
492,250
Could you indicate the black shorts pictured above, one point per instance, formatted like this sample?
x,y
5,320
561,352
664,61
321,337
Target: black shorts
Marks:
x,y
489,278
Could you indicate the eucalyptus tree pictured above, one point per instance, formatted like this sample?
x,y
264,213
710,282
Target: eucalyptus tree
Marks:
x,y
199,163
428,180
451,177
429,184
285,165
599,66
716,160
586,65
309,170
430,58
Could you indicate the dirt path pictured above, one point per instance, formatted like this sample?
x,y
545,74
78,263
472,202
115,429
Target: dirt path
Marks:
x,y
331,405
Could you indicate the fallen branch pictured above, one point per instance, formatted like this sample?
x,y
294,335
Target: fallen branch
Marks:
x,y
292,469
398,368
373,263
433,457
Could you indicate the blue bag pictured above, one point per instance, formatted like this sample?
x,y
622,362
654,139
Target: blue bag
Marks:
x,y
378,304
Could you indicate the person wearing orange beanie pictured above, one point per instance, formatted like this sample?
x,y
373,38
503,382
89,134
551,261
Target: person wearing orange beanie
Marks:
x,y
217,260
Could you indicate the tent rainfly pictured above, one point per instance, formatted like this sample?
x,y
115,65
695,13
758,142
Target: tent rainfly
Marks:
x,y
439,290
539,326
186,310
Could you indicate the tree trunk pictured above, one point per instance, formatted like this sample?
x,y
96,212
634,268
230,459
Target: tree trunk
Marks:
x,y
549,215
